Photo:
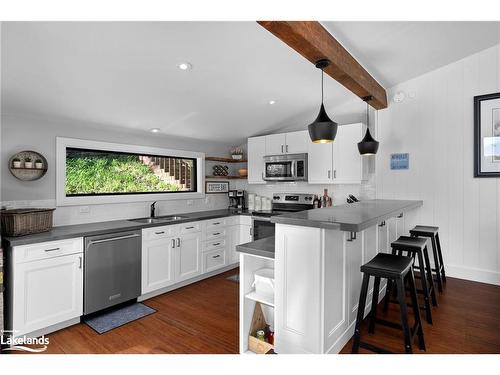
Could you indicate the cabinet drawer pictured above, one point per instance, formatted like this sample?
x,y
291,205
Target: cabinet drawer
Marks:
x,y
214,244
46,250
156,233
214,223
190,227
213,260
214,233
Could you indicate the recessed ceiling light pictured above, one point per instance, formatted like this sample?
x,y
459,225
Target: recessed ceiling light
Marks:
x,y
185,66
271,102
154,130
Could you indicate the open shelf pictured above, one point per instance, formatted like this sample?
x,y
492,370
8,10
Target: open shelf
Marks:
x,y
224,160
227,177
269,301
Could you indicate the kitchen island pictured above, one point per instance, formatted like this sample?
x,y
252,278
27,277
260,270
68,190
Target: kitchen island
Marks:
x,y
317,257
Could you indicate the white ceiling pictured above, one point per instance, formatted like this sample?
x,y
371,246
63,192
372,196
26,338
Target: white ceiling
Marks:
x,y
125,73
394,52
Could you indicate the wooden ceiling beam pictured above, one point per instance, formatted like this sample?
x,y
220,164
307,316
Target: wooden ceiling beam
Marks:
x,y
314,42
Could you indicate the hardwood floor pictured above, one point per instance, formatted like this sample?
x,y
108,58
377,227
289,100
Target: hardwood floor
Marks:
x,y
203,318
467,320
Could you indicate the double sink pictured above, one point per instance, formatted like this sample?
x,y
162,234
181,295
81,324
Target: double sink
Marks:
x,y
160,219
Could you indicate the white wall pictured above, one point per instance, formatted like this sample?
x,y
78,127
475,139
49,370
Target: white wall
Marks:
x,y
20,132
436,128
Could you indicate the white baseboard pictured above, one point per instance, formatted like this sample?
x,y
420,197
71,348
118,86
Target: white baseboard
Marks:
x,y
473,274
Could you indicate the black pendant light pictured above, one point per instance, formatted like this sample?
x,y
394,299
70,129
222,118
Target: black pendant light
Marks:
x,y
368,145
323,129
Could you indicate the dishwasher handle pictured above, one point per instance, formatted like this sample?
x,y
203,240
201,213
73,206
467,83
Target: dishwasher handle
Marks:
x,y
90,243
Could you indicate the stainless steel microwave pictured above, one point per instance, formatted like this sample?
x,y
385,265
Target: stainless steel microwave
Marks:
x,y
289,167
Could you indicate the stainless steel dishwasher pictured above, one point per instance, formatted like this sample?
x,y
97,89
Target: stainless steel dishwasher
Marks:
x,y
112,270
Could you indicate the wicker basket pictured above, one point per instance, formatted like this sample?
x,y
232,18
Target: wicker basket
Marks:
x,y
21,222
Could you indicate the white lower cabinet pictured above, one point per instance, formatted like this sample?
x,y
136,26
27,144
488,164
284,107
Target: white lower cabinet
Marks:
x,y
157,264
213,260
188,256
47,291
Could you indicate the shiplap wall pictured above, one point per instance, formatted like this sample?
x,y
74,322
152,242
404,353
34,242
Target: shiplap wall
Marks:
x,y
436,128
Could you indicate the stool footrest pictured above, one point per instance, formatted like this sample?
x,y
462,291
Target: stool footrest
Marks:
x,y
374,348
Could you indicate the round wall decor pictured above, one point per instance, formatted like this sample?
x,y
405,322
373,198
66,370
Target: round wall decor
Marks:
x,y
28,165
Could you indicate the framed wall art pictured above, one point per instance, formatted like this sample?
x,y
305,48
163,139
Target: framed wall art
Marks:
x,y
214,187
487,135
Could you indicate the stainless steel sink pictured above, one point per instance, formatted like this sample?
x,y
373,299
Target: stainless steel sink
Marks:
x,y
160,219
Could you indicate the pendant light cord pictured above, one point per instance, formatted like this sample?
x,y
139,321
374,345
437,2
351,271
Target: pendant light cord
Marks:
x,y
322,72
367,116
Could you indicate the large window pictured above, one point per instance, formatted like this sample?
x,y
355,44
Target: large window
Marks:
x,y
97,172
94,172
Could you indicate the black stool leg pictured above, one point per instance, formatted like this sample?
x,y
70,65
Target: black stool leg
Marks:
x,y
361,311
373,314
404,315
440,257
389,289
437,264
430,277
424,280
416,310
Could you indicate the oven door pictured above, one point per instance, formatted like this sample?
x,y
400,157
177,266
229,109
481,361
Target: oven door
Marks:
x,y
262,227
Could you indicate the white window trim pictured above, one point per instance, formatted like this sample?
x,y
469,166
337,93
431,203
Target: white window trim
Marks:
x,y
63,200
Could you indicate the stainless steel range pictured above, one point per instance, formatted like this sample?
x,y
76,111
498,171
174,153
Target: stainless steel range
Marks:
x,y
282,203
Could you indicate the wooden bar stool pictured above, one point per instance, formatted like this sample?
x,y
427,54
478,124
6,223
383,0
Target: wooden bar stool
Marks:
x,y
433,234
397,269
416,247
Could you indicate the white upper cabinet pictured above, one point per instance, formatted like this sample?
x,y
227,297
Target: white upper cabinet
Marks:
x,y
297,142
256,153
287,143
347,162
275,144
338,162
320,170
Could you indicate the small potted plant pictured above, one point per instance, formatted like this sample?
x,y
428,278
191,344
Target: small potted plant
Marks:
x,y
16,163
38,164
237,153
28,163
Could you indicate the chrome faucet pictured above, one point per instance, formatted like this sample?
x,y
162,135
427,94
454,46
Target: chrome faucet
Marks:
x,y
152,210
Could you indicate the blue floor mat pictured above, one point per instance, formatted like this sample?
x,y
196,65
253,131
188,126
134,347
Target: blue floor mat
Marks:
x,y
116,318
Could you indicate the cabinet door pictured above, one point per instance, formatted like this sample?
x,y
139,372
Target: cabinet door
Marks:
x,y
354,254
347,162
233,233
188,256
47,292
157,264
319,163
297,142
246,234
275,144
256,152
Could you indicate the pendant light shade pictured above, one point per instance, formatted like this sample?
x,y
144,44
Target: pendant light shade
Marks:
x,y
368,145
323,129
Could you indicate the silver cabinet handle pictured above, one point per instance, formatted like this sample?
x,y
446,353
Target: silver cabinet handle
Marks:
x,y
329,173
334,173
217,223
113,239
287,149
173,243
189,227
54,249
216,256
251,231
400,215
281,148
160,232
80,264
382,224
215,233
178,242
216,244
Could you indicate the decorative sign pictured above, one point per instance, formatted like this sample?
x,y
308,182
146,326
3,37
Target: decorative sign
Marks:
x,y
216,187
400,161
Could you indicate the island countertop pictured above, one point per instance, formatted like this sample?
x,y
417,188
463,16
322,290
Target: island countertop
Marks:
x,y
263,247
353,217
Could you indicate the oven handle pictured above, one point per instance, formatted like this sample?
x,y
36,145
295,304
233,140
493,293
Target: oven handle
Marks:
x,y
263,218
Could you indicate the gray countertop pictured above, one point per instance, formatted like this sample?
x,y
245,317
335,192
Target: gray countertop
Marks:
x,y
263,247
353,217
80,230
